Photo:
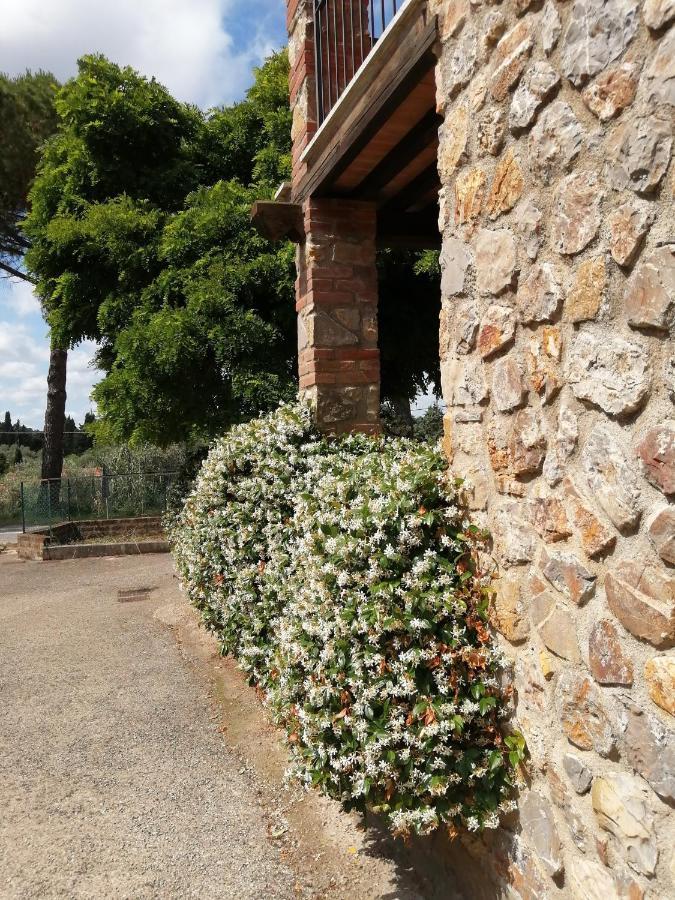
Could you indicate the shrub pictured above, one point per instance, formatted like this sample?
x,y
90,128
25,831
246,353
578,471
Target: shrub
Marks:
x,y
342,575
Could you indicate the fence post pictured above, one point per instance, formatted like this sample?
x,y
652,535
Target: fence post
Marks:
x,y
68,496
49,506
23,510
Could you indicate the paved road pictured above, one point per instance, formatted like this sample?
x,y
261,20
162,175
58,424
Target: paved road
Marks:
x,y
114,779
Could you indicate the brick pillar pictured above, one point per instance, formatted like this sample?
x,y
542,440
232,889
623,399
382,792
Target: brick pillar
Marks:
x,y
302,85
336,294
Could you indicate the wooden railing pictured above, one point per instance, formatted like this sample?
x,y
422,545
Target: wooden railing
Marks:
x,y
345,32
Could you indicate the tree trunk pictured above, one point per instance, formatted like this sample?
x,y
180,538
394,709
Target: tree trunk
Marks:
x,y
401,407
52,452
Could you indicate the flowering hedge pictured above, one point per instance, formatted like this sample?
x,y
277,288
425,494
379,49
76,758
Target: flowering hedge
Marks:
x,y
341,574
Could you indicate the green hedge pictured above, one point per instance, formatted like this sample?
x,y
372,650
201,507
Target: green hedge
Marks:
x,y
341,576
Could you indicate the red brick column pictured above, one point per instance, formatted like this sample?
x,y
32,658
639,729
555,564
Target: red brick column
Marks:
x,y
336,293
302,85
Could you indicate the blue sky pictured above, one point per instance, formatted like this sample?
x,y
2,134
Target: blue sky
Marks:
x,y
202,50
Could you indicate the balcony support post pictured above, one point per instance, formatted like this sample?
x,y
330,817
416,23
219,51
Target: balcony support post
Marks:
x,y
336,293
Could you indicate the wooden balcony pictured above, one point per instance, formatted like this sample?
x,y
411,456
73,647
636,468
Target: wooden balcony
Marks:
x,y
379,137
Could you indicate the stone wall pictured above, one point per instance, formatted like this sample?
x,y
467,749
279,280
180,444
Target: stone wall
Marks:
x,y
558,372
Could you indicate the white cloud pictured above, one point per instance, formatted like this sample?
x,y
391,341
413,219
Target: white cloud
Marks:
x,y
23,300
188,45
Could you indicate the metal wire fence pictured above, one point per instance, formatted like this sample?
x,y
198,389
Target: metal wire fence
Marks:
x,y
53,500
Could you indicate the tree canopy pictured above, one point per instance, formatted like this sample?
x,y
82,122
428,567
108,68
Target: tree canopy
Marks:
x,y
27,119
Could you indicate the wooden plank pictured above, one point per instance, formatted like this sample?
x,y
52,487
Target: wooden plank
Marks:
x,y
404,69
400,157
278,221
403,119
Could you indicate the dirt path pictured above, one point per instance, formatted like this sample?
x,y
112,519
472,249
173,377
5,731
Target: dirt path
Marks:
x,y
135,763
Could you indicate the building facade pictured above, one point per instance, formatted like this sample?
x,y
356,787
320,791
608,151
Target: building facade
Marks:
x,y
531,143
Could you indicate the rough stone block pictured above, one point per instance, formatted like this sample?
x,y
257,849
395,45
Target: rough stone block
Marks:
x,y
660,678
638,152
568,576
628,225
452,146
583,716
642,597
507,185
649,747
454,261
656,452
613,90
660,76
509,59
535,89
527,442
612,480
661,532
463,382
658,13
561,445
649,300
528,223
607,660
621,808
507,384
555,626
544,350
507,613
495,252
596,538
597,33
539,295
550,27
536,817
585,298
610,372
491,130
579,774
497,329
555,141
469,192
576,212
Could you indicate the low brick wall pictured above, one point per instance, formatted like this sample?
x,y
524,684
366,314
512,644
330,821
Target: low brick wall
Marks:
x,y
88,551
58,542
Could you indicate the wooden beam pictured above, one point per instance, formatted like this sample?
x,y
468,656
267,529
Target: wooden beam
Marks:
x,y
412,59
278,221
417,191
404,153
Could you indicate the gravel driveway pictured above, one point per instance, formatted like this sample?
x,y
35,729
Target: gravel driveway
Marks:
x,y
135,762
114,780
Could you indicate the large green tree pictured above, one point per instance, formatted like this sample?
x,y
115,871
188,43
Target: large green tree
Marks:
x,y
27,119
142,242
